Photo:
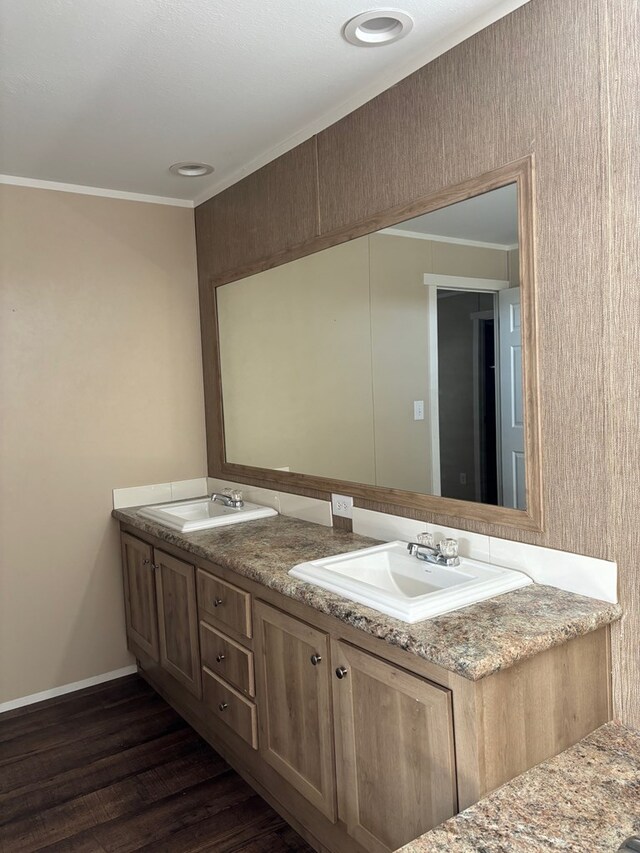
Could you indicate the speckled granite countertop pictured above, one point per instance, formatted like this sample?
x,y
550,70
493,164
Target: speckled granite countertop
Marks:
x,y
473,642
585,800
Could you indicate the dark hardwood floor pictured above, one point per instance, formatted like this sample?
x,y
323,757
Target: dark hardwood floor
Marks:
x,y
114,768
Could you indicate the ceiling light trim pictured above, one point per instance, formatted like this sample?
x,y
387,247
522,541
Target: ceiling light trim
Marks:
x,y
103,192
191,169
357,32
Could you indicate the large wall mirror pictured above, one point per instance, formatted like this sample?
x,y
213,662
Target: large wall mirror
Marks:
x,y
400,362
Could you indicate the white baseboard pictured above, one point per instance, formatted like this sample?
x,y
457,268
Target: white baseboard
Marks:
x,y
67,688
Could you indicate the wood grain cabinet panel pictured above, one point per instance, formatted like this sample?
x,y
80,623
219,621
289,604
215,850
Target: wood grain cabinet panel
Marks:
x,y
228,659
296,732
224,604
267,212
178,620
228,706
140,596
394,751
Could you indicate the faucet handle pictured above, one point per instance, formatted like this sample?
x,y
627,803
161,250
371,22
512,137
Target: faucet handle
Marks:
x,y
234,494
425,538
448,548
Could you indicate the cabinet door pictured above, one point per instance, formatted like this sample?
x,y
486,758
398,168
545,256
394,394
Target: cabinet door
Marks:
x,y
294,704
140,596
394,750
178,620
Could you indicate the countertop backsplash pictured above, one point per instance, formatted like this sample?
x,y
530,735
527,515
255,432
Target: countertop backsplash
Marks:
x,y
589,576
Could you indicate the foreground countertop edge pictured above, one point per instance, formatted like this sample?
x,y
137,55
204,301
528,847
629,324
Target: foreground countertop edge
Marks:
x,y
586,793
471,665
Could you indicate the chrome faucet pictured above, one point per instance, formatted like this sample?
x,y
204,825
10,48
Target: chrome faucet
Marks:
x,y
229,497
445,553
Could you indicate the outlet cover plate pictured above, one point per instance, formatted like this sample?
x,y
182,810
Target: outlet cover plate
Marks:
x,y
342,505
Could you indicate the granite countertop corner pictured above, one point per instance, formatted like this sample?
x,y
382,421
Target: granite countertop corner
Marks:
x,y
585,800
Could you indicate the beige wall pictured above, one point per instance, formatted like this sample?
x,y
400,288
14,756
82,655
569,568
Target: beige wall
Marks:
x,y
296,366
100,387
514,267
399,324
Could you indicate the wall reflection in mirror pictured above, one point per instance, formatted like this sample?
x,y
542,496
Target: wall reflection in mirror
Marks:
x,y
391,360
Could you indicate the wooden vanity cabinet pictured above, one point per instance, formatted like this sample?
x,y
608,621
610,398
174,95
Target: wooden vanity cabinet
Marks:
x,y
230,707
228,672
387,748
360,763
178,620
227,659
140,607
224,604
294,687
160,610
394,750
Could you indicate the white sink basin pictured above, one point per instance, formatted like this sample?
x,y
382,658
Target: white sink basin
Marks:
x,y
388,579
187,516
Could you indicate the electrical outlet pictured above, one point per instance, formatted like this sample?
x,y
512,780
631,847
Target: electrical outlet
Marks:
x,y
342,505
463,479
418,410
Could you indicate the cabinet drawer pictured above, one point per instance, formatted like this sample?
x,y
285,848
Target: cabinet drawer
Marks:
x,y
224,604
226,658
230,707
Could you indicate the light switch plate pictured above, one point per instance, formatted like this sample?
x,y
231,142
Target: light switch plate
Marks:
x,y
342,505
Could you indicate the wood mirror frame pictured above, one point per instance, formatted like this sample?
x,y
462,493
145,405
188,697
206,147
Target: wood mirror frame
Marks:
x,y
377,497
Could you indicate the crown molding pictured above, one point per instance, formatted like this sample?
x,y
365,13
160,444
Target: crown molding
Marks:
x,y
34,183
437,238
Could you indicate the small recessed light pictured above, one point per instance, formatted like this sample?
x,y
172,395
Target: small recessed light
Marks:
x,y
379,26
191,170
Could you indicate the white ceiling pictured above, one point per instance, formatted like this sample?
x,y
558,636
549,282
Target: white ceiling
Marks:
x,y
490,218
110,93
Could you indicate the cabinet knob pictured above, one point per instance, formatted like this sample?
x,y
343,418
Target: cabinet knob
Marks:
x,y
223,706
316,659
219,658
146,561
341,672
217,602
154,566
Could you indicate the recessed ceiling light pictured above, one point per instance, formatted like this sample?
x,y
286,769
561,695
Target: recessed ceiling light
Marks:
x,y
379,26
191,170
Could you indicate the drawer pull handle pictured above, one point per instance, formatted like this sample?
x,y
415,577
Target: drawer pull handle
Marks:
x,y
341,672
223,706
217,602
219,658
316,659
